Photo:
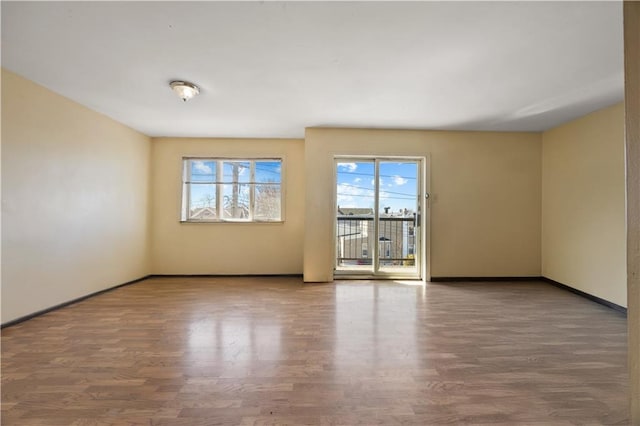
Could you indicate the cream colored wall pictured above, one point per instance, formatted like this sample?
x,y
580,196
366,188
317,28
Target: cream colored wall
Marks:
x,y
583,204
225,248
74,200
485,197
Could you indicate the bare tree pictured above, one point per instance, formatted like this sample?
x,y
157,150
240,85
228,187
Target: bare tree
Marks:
x,y
268,200
207,200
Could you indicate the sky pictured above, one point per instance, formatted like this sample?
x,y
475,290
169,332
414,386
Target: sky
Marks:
x,y
397,186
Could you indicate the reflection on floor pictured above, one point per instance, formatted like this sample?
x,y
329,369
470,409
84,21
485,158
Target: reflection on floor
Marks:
x,y
203,351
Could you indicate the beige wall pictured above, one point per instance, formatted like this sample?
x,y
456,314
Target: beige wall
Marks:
x,y
225,248
485,197
74,200
583,204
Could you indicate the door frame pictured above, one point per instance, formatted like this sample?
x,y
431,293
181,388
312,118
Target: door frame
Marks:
x,y
424,199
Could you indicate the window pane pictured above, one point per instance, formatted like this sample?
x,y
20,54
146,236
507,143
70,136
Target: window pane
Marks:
x,y
268,171
267,199
203,171
235,201
236,171
202,205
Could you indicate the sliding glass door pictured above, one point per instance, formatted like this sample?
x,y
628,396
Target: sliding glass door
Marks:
x,y
378,217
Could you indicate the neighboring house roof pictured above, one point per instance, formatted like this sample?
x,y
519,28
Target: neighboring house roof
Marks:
x,y
203,212
354,211
364,211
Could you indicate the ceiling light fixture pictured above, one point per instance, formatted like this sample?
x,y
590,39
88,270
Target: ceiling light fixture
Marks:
x,y
184,89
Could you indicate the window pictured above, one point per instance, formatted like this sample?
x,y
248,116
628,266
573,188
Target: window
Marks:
x,y
234,190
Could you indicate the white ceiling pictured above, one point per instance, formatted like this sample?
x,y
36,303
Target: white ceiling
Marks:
x,y
270,69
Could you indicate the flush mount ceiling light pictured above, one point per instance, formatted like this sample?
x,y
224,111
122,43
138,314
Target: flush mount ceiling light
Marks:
x,y
184,89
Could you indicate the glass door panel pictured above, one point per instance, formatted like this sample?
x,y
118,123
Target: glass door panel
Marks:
x,y
398,217
355,216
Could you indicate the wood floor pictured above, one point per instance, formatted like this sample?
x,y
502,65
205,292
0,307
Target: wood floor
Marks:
x,y
274,351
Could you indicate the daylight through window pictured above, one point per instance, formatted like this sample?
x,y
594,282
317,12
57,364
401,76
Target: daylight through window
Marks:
x,y
235,190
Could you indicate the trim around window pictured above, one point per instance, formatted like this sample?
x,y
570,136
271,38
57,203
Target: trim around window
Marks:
x,y
232,190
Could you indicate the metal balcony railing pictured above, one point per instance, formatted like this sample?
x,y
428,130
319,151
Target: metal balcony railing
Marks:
x,y
356,238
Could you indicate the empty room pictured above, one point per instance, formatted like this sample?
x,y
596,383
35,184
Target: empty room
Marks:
x,y
337,213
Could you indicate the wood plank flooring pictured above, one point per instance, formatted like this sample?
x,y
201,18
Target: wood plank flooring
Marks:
x,y
275,351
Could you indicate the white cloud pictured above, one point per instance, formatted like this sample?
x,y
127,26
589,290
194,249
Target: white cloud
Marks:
x,y
399,180
201,167
353,196
357,180
350,167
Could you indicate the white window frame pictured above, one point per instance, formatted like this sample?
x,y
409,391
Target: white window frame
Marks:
x,y
219,182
